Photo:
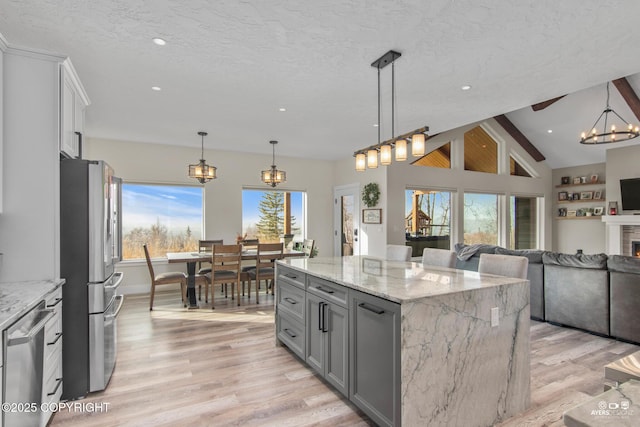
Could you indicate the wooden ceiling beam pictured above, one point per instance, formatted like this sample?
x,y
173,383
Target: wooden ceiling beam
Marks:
x,y
629,95
515,133
542,105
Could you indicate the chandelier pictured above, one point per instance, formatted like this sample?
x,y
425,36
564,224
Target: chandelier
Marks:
x,y
368,157
201,170
273,176
628,131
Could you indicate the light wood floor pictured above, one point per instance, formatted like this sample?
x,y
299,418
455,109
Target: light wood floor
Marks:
x,y
222,368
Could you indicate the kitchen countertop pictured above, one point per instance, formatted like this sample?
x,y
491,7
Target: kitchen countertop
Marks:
x,y
396,281
17,298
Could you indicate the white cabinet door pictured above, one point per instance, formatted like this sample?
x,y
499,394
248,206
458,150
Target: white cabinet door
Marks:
x,y
68,139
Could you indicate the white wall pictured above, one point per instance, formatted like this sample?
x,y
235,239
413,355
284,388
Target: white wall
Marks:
x,y
30,221
155,163
401,175
373,237
570,235
622,163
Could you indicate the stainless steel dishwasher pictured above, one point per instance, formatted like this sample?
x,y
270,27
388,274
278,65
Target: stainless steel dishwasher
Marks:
x,y
24,350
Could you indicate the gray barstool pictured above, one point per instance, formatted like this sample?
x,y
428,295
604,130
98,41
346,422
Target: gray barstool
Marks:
x,y
398,253
504,265
438,258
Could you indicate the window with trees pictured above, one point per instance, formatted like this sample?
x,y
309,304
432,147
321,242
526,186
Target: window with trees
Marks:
x,y
480,218
524,222
168,218
268,215
428,217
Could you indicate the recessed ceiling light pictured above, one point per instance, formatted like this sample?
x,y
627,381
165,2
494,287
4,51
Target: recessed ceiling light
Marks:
x,y
156,88
375,125
550,131
282,109
159,41
465,87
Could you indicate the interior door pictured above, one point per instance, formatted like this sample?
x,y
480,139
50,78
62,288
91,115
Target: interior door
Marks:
x,y
346,220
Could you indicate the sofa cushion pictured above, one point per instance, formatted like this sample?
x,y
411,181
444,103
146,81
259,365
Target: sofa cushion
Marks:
x,y
533,255
596,261
464,252
624,264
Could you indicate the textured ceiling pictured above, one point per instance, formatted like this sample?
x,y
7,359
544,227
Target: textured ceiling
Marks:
x,y
229,66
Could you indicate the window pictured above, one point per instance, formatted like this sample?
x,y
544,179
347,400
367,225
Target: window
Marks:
x,y
168,218
524,223
516,169
480,218
428,217
480,151
438,158
269,215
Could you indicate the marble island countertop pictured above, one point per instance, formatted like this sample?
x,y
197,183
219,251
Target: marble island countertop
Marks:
x,y
400,282
17,298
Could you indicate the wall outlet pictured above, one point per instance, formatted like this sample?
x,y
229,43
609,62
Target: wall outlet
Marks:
x,y
495,317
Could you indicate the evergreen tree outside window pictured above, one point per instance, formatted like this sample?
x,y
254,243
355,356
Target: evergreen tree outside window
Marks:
x,y
265,215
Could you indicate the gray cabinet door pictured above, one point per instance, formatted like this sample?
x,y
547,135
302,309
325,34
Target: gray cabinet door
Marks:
x,y
315,337
375,357
328,341
337,347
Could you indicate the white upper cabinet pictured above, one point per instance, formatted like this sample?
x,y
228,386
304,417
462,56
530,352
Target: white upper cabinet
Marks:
x,y
73,102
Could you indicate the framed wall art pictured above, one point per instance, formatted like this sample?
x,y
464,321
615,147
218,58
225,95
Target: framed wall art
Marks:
x,y
372,216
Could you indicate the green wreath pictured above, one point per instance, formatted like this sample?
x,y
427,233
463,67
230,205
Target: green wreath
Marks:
x,y
370,194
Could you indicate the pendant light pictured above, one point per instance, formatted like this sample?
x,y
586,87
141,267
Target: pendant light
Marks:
x,y
201,170
626,132
273,176
368,157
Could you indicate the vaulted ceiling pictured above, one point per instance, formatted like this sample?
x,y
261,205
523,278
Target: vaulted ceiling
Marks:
x,y
229,67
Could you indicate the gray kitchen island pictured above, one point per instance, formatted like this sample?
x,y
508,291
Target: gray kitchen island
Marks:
x,y
409,344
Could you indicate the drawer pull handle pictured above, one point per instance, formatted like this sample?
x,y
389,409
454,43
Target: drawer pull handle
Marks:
x,y
55,390
375,310
290,276
58,301
288,332
290,300
58,336
321,289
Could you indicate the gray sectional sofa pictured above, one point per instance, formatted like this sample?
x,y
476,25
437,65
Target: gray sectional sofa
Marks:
x,y
596,293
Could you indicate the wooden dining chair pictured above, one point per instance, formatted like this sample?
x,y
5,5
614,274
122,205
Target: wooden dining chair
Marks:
x,y
225,269
205,246
265,267
168,278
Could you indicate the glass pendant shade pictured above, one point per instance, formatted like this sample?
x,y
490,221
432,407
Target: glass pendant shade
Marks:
x,y
385,155
201,170
417,145
401,150
361,162
372,159
273,176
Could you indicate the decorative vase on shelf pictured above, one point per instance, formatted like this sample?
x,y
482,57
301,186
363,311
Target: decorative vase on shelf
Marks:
x,y
613,208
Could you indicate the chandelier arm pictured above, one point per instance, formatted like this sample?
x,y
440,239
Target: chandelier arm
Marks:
x,y
393,98
378,105
618,116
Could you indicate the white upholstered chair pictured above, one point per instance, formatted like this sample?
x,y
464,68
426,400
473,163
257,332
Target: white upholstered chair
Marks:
x,y
398,253
439,257
504,265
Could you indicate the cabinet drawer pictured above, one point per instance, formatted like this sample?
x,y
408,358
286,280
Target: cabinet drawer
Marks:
x,y
52,381
291,333
291,300
291,276
330,291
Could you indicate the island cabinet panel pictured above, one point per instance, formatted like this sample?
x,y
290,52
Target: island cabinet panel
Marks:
x,y
375,357
290,309
327,341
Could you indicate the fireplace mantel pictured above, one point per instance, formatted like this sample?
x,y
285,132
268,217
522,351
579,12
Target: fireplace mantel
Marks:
x,y
614,224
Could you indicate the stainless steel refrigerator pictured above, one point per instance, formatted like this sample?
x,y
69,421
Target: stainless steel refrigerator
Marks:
x,y
90,246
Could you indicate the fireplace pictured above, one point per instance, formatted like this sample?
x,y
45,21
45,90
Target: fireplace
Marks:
x,y
635,248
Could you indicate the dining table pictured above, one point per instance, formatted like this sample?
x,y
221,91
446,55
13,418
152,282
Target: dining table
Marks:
x,y
192,258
